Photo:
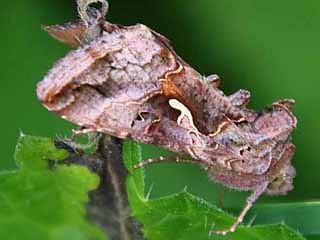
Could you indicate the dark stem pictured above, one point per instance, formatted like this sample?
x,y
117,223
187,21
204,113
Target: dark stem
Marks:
x,y
108,205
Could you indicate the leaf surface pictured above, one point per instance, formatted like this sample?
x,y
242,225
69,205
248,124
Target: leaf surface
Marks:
x,y
43,199
183,216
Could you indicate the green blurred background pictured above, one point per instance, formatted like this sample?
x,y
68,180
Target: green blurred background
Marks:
x,y
268,47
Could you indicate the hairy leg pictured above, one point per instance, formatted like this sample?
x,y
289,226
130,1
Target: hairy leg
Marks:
x,y
93,139
250,201
176,159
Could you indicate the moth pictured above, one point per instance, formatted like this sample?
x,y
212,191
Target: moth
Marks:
x,y
128,82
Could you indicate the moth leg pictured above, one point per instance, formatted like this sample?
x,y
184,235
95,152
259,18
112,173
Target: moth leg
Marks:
x,y
176,159
93,139
82,131
250,201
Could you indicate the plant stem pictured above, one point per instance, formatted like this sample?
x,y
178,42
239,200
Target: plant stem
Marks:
x,y
108,205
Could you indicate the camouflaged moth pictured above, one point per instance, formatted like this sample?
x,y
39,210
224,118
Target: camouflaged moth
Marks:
x,y
128,82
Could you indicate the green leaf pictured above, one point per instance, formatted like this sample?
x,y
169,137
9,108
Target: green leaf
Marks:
x,y
135,181
42,200
183,216
304,215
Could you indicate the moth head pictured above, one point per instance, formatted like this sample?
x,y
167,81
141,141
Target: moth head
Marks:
x,y
74,33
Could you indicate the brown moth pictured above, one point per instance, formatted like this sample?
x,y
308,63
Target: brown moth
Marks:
x,y
128,82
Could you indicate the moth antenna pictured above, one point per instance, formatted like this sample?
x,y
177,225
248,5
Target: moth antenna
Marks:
x,y
250,201
176,159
